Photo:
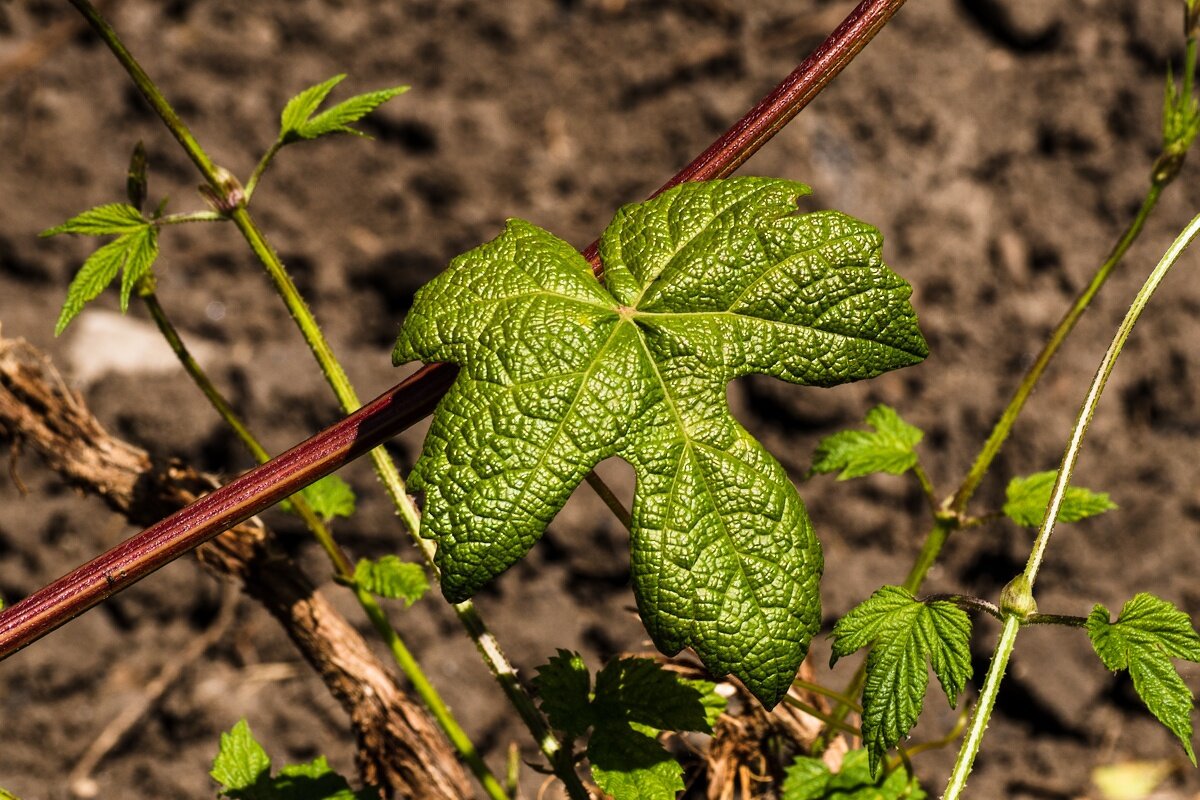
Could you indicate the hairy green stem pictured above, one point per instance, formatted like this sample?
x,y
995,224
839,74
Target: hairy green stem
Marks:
x,y
970,748
1003,426
260,168
341,563
983,709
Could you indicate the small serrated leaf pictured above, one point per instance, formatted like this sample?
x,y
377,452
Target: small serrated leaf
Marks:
x,y
338,118
298,122
628,763
904,634
241,762
810,779
641,691
1027,498
142,251
888,448
315,780
113,218
564,688
93,278
302,106
1146,636
330,497
392,578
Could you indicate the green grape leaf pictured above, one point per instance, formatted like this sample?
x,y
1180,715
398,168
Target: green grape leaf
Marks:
x,y
565,689
888,448
705,283
1028,497
297,121
1144,639
903,634
330,497
241,762
113,218
392,578
635,699
809,779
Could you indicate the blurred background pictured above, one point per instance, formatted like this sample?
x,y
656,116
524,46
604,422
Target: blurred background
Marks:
x,y
1001,146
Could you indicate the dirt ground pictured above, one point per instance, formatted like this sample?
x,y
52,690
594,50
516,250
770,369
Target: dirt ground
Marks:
x,y
1000,145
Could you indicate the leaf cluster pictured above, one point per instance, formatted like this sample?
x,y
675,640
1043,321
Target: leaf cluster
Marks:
x,y
243,769
132,253
810,779
633,701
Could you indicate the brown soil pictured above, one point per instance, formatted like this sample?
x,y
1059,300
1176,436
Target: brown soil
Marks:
x,y
999,146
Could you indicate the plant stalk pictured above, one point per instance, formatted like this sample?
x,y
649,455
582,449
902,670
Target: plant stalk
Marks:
x,y
1012,623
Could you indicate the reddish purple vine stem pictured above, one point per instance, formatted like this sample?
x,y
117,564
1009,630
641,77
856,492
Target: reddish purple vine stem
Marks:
x,y
404,404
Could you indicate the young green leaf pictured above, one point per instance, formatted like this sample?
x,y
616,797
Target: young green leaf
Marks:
x,y
243,769
809,779
1144,639
96,274
888,448
114,218
1028,497
903,634
392,578
7,795
134,249
241,762
565,690
142,252
330,497
635,699
298,123
705,283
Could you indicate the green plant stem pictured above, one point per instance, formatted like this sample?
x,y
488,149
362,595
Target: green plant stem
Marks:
x,y
341,563
610,499
1012,623
983,709
426,691
832,694
336,377
926,486
260,168
941,741
817,713
1003,426
190,216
